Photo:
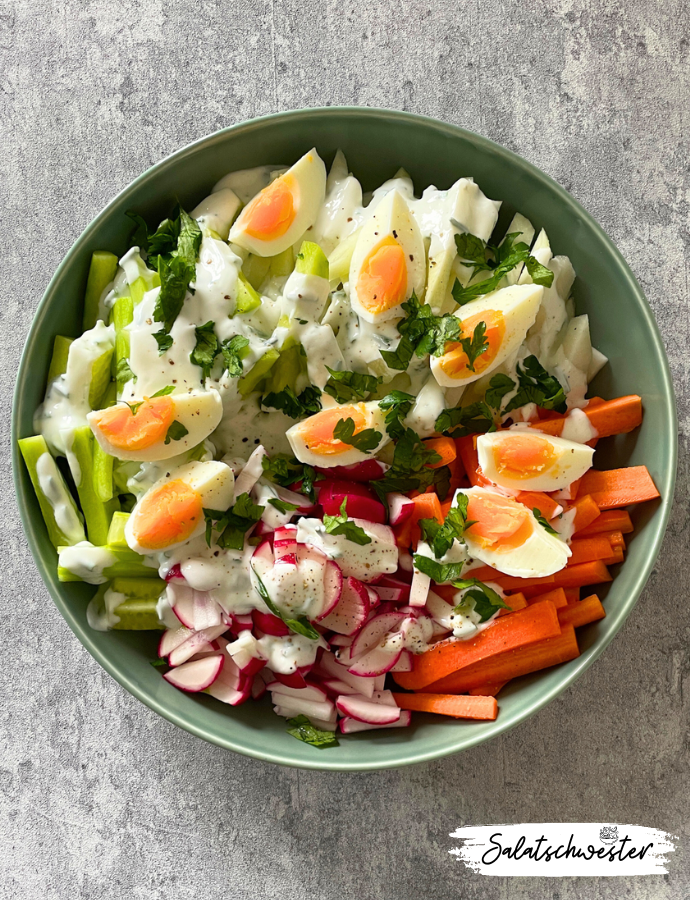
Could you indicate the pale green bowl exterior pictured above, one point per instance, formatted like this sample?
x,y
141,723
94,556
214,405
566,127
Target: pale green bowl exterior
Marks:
x,y
376,143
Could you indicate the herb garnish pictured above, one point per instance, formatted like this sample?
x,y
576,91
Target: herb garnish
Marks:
x,y
302,729
232,524
366,440
342,525
307,403
347,386
300,625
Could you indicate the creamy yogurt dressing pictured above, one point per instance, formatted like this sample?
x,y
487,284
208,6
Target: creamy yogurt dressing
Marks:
x,y
87,562
362,561
54,490
100,613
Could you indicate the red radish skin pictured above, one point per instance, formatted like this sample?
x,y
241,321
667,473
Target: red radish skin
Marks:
x,y
310,692
296,706
351,611
400,508
361,502
366,470
335,687
258,688
365,710
331,668
195,609
333,588
241,623
349,725
296,679
374,631
196,676
175,574
269,624
172,639
376,662
231,686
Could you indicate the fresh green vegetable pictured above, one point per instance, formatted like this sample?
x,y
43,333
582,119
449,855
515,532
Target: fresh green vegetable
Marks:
x,y
234,349
409,471
128,564
397,405
232,524
101,273
537,386
486,602
175,432
97,513
258,371
116,532
440,537
476,345
311,260
347,386
307,403
302,729
287,470
121,315
422,333
206,349
58,361
544,522
282,505
247,299
441,574
366,440
342,525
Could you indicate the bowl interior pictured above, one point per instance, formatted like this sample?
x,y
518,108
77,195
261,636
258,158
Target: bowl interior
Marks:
x,y
376,143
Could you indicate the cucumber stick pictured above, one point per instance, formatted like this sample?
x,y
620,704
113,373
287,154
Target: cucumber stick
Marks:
x,y
96,512
101,273
122,315
258,371
62,519
116,532
128,564
311,260
58,362
138,612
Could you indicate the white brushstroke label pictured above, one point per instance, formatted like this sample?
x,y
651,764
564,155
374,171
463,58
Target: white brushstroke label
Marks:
x,y
561,849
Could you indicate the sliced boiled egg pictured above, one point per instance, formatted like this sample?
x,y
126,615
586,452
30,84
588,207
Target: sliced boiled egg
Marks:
x,y
529,461
171,512
507,315
506,535
157,427
280,214
388,262
313,441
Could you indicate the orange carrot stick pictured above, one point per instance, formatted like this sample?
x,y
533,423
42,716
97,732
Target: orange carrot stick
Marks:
x,y
511,664
488,690
586,511
582,613
535,623
610,417
515,602
572,595
467,451
546,505
426,506
611,520
450,705
619,487
616,539
617,556
445,447
587,549
572,577
513,583
557,597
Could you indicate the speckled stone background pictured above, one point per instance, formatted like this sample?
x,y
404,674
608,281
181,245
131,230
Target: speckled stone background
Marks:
x,y
100,798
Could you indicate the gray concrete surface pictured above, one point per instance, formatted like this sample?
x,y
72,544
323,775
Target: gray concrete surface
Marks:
x,y
99,798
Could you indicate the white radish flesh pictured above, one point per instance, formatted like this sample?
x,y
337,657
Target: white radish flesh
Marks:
x,y
350,725
196,676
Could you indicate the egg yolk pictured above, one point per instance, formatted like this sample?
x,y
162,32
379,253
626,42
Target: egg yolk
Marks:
x,y
317,431
455,362
168,515
127,430
500,524
522,456
382,281
270,214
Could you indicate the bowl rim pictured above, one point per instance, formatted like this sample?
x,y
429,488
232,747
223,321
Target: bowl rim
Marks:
x,y
577,667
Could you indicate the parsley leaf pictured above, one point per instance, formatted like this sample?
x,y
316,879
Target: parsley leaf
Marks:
x,y
421,332
409,471
537,386
499,386
486,601
206,349
475,418
399,358
177,267
347,386
234,523
158,663
305,404
175,277
471,250
286,470
232,350
164,391
164,341
366,440
175,432
282,505
396,405
342,525
300,625
123,372
441,574
302,729
544,522
140,236
440,537
476,345
189,240
538,273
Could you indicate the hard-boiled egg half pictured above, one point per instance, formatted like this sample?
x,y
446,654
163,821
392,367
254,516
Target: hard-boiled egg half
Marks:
x,y
506,535
530,461
171,512
157,427
280,214
313,441
388,262
507,315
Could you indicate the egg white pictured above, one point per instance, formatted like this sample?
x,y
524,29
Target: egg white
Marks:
x,y
298,438
309,173
393,218
571,463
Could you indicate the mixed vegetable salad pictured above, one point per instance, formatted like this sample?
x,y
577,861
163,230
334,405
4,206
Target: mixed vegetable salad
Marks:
x,y
316,437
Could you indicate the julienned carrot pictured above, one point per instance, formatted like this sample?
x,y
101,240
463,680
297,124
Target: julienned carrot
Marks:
x,y
586,549
617,556
445,447
572,577
610,417
513,583
457,475
511,664
582,613
426,506
619,487
557,597
572,595
546,505
450,705
515,602
610,520
535,623
616,539
586,512
488,690
467,451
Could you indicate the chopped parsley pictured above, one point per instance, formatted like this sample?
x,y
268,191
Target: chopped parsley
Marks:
x,y
164,341
535,385
300,625
282,505
233,524
347,386
476,345
422,333
440,573
342,525
366,440
307,403
396,405
206,349
302,729
124,373
410,469
440,537
485,600
287,470
234,350
175,432
544,522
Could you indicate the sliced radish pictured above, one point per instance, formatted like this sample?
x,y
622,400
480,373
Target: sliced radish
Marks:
x,y
175,574
231,686
419,590
340,640
351,610
366,470
376,662
246,655
241,623
285,540
296,679
320,709
197,642
385,697
358,507
330,667
405,564
195,609
439,610
332,588
310,692
335,686
263,557
251,472
263,529
196,676
258,688
400,508
350,725
374,631
269,624
365,710
172,639
404,663
393,595
379,684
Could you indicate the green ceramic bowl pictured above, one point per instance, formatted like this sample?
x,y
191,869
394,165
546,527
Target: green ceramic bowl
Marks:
x,y
376,143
